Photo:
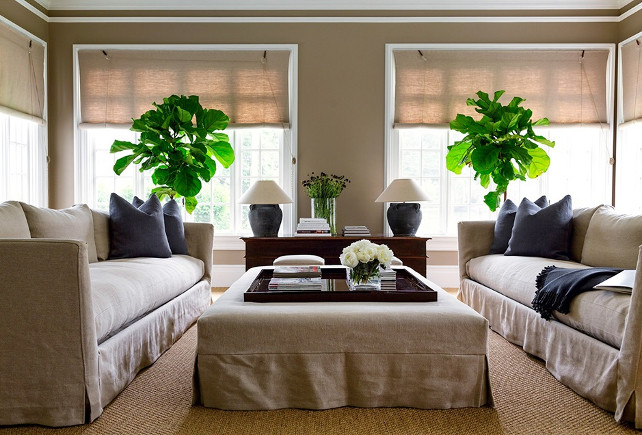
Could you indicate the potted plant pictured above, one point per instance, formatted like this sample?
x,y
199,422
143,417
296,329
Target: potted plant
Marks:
x,y
501,146
323,189
181,142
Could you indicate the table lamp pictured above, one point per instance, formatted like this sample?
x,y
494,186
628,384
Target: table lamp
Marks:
x,y
404,217
265,214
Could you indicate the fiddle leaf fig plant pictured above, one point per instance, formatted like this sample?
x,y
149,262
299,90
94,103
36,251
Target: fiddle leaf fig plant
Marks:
x,y
501,146
181,142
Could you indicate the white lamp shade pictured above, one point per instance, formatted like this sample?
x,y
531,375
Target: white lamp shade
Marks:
x,y
402,190
265,192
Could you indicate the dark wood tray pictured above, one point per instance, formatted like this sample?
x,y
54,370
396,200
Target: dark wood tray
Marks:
x,y
409,289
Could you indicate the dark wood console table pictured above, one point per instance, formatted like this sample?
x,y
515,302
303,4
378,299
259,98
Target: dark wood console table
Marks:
x,y
261,251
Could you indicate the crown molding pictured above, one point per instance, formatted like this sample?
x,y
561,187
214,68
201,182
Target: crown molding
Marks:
x,y
423,5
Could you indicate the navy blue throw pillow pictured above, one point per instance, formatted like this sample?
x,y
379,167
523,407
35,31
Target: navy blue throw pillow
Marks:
x,y
542,232
504,224
137,231
173,225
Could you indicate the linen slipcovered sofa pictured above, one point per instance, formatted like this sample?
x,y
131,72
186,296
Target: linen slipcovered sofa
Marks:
x,y
596,348
76,327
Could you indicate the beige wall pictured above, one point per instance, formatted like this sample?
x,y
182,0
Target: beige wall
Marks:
x,y
24,18
340,86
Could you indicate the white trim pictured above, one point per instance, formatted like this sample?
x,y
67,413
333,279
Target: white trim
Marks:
x,y
630,12
25,32
224,275
329,5
441,243
366,20
445,276
37,12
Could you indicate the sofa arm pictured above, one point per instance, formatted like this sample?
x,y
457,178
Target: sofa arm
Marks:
x,y
629,386
200,243
474,239
48,349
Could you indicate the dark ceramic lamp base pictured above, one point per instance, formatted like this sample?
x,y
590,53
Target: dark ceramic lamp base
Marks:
x,y
265,219
404,218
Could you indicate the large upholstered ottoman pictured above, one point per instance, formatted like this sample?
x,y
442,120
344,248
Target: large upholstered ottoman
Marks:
x,y
324,355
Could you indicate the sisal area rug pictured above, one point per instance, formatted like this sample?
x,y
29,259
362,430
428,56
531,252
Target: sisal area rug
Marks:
x,y
527,400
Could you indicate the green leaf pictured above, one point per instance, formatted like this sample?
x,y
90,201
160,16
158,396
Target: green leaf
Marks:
x,y
161,175
121,164
484,180
543,121
187,182
223,152
497,95
540,162
491,199
190,204
213,119
543,140
121,145
484,159
457,156
516,101
210,164
183,115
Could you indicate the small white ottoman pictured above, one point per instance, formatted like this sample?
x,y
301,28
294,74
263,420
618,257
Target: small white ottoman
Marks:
x,y
298,260
255,356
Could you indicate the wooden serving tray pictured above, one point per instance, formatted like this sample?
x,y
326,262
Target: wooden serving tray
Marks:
x,y
409,289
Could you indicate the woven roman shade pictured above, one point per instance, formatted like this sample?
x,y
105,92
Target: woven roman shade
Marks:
x,y
565,86
251,87
22,79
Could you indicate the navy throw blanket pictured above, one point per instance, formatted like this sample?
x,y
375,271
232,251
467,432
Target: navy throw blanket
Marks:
x,y
557,286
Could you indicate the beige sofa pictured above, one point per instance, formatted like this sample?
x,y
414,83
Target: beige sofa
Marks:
x,y
595,349
75,328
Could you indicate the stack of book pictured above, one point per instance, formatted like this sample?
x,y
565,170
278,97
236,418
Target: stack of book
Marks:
x,y
295,284
356,231
313,227
297,272
388,279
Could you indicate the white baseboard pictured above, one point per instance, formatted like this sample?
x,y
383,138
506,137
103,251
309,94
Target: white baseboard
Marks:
x,y
223,275
445,276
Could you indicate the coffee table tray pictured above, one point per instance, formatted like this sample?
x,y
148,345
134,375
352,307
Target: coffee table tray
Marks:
x,y
408,289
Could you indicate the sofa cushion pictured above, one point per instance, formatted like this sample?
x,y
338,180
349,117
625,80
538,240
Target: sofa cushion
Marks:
x,y
504,224
174,228
581,219
601,314
612,239
125,290
75,223
542,232
13,223
137,231
101,234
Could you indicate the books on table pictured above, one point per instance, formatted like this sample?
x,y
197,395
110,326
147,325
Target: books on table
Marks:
x,y
312,227
620,283
296,272
295,284
388,279
356,230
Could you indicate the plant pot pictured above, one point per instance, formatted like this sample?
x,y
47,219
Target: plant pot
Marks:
x,y
325,208
365,276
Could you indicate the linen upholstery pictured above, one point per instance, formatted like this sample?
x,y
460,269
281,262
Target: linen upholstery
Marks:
x,y
75,223
14,223
601,314
325,355
126,289
101,234
581,219
298,260
612,239
609,377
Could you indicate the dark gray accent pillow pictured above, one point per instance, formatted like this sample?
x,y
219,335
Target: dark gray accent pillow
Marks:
x,y
504,224
137,231
173,225
542,232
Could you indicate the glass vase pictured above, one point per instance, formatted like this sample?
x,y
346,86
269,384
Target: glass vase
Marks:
x,y
326,208
365,276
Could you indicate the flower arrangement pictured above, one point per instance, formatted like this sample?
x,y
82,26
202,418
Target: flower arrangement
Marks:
x,y
324,185
364,257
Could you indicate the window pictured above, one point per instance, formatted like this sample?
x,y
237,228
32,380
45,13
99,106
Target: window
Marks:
x,y
429,85
253,86
629,146
23,149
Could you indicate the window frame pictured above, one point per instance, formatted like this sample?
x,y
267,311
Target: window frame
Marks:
x,y
391,165
39,162
290,134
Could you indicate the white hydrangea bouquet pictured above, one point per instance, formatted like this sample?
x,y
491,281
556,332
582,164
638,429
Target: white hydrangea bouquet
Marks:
x,y
363,258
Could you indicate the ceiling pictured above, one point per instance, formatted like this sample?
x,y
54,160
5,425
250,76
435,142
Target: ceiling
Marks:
x,y
424,5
